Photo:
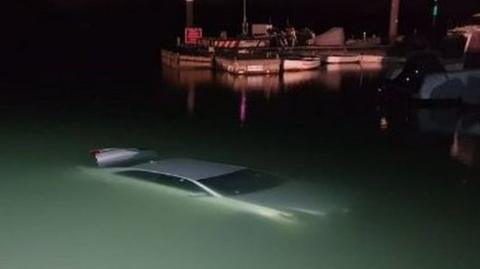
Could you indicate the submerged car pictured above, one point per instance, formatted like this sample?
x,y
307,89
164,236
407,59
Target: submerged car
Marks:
x,y
202,178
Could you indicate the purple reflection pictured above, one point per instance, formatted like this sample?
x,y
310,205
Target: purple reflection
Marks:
x,y
191,101
243,108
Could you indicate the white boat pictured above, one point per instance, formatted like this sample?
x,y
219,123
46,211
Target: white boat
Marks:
x,y
379,59
301,63
343,59
249,66
354,67
372,59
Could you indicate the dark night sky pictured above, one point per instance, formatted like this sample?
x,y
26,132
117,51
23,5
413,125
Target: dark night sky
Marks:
x,y
217,15
355,15
104,34
215,12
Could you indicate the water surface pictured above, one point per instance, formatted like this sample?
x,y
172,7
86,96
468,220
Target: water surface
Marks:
x,y
411,203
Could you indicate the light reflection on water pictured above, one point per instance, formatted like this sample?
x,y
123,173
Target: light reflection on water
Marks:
x,y
344,82
332,79
462,127
466,140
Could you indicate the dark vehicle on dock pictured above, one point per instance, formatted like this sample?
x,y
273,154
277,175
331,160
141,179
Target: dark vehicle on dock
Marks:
x,y
401,88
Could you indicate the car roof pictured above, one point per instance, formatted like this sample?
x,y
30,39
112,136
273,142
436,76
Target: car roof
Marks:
x,y
189,168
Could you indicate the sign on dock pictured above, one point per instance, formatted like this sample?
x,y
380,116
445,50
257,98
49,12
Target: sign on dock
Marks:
x,y
193,35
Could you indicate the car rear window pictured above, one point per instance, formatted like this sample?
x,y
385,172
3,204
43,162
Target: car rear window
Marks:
x,y
242,182
164,180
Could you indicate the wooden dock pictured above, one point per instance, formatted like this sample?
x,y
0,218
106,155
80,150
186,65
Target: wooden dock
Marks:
x,y
179,60
262,61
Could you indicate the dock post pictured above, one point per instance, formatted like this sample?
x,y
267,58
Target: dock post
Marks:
x,y
189,13
245,20
394,12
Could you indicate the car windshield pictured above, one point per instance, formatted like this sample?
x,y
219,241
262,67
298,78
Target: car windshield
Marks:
x,y
242,182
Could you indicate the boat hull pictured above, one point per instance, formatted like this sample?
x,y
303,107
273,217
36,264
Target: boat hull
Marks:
x,y
343,59
301,64
249,66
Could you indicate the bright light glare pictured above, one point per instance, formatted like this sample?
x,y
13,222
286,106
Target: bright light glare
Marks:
x,y
311,212
270,213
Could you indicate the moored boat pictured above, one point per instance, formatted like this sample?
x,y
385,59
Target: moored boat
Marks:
x,y
249,66
343,59
301,63
372,59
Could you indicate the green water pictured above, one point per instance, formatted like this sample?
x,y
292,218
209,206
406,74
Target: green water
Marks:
x,y
408,207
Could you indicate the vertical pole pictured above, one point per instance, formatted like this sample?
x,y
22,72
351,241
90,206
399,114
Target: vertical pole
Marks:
x,y
189,13
245,23
435,12
394,12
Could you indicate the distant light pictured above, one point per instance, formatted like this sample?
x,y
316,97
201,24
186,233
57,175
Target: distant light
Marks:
x,y
384,124
435,11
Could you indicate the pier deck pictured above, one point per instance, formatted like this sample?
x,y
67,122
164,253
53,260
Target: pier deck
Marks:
x,y
260,61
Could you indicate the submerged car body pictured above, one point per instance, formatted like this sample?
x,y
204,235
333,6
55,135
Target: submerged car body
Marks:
x,y
202,178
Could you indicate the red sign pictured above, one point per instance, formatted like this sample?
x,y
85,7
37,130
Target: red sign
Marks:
x,y
193,35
